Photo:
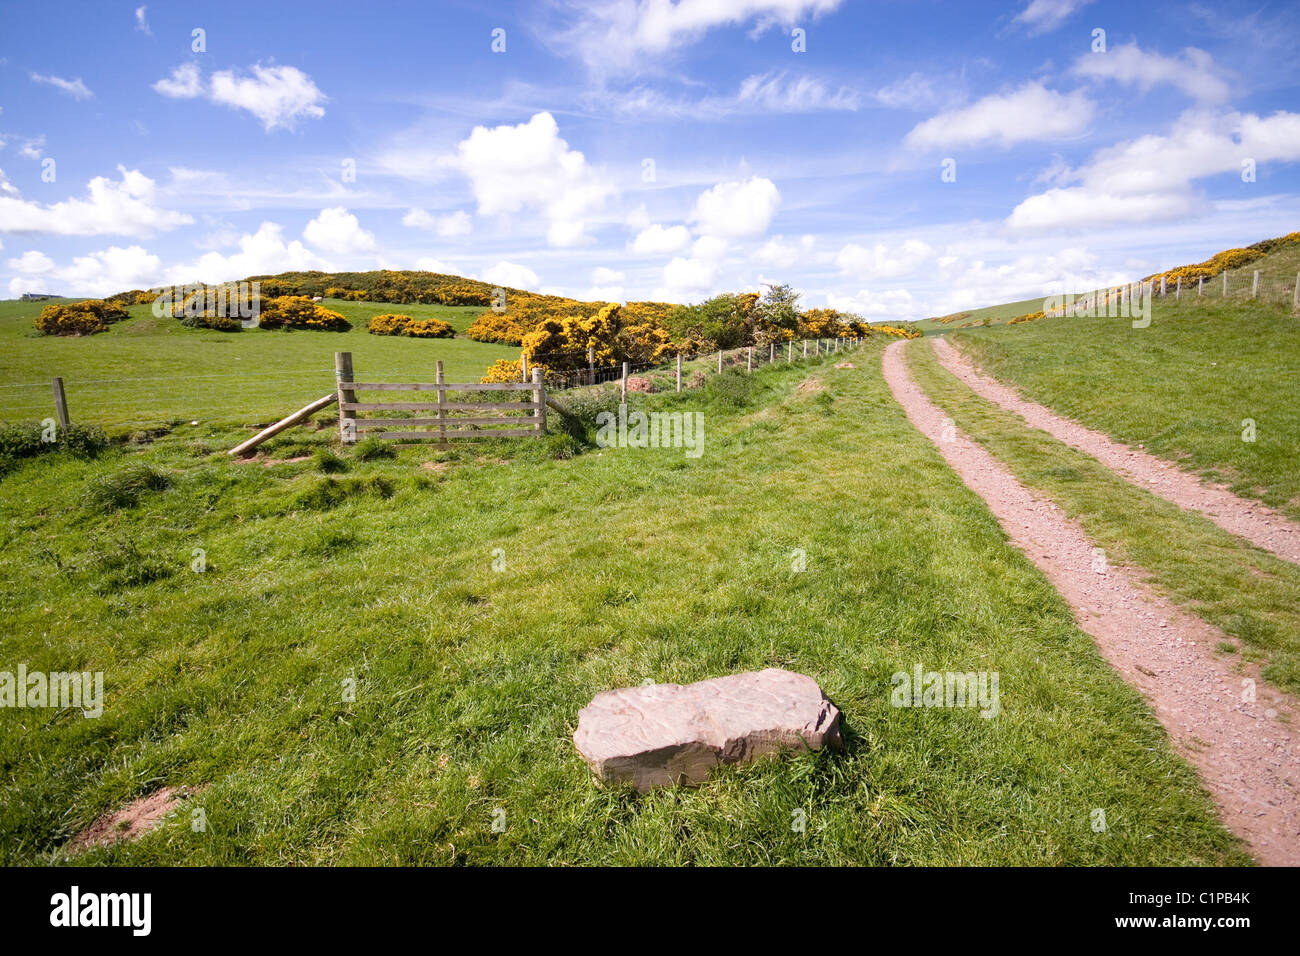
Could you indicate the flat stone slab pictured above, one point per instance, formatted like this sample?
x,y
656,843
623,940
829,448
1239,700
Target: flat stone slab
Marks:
x,y
666,734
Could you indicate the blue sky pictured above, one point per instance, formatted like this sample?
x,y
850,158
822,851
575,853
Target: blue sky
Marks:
x,y
625,150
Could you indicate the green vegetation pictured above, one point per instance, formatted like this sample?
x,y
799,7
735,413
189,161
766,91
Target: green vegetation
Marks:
x,y
145,371
1182,388
620,565
1246,592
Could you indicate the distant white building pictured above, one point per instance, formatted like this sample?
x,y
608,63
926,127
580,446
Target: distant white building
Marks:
x,y
38,296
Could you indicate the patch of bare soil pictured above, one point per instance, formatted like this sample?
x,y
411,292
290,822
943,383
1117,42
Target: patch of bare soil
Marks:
x,y
1256,522
845,365
130,822
1243,748
810,386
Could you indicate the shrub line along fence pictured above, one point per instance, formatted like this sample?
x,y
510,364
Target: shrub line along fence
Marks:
x,y
1267,288
450,422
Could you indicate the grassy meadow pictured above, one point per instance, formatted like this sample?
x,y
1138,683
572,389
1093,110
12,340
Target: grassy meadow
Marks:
x,y
146,371
1182,388
617,566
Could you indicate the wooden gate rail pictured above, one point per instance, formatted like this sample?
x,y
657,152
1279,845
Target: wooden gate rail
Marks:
x,y
445,427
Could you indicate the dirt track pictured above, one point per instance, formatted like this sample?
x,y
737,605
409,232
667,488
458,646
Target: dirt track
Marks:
x,y
1245,755
1257,523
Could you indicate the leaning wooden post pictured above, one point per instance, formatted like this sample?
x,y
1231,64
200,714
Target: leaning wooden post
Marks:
x,y
442,407
539,399
61,405
347,396
749,360
679,371
1254,286
625,383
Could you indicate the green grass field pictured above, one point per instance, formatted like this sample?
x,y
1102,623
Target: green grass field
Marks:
x,y
146,371
621,566
1182,388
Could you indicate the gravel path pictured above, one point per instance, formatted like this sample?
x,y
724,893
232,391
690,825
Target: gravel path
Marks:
x,y
1246,756
1256,522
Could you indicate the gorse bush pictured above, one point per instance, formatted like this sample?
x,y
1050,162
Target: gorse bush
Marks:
x,y
123,488
430,329
388,324
300,312
79,318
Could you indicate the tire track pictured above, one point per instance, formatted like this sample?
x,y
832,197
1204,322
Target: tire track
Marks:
x,y
1252,520
1245,755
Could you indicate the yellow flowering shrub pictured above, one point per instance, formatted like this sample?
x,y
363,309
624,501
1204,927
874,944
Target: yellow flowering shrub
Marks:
x,y
78,318
390,323
300,312
430,329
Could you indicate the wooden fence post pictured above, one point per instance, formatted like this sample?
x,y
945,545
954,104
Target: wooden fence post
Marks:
x,y
61,405
1162,287
679,371
771,353
591,364
1200,287
523,365
805,348
1295,297
539,399
625,383
1254,286
347,416
1178,291
719,361
1225,283
749,360
789,351
442,407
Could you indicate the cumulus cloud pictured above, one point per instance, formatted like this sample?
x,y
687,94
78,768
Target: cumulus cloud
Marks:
x,y
530,167
656,240
736,209
277,95
896,304
1193,71
141,23
511,275
777,253
457,223
96,274
685,278
1152,177
261,253
1032,112
125,208
31,262
1043,16
882,261
74,88
337,230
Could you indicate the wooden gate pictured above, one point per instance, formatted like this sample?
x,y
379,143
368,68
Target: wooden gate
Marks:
x,y
451,420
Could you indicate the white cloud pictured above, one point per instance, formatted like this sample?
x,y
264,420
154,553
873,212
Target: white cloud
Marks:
x,y
1193,71
656,240
31,263
74,88
511,275
709,249
185,82
337,230
425,264
882,261
528,166
457,223
1032,112
602,275
1043,16
896,304
737,209
684,278
32,148
99,273
262,253
141,23
1152,178
123,208
777,253
277,95
614,36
